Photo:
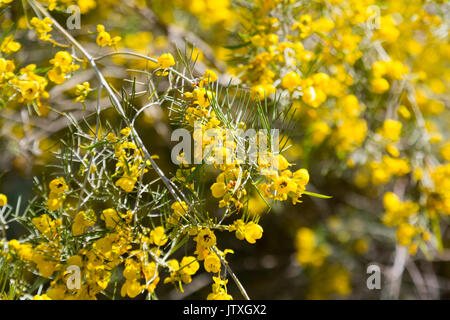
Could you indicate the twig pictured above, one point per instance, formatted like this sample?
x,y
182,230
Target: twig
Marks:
x,y
396,272
115,101
233,276
142,56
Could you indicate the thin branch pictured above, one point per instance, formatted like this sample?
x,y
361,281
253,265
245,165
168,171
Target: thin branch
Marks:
x,y
115,101
233,276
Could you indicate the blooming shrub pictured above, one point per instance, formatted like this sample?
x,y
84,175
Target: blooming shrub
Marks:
x,y
282,102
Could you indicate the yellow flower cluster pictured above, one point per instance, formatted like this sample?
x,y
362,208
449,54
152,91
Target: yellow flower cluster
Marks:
x,y
370,100
58,187
439,194
43,27
26,86
219,290
62,65
82,91
8,45
310,252
130,161
401,215
364,89
249,231
333,279
96,262
105,39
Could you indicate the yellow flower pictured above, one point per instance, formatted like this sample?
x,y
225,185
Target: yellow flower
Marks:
x,y
9,45
189,265
62,64
42,27
252,232
219,290
360,246
3,200
42,223
405,232
314,96
396,70
56,293
179,210
111,137
206,238
182,271
212,263
391,129
58,186
54,202
158,236
82,221
379,68
125,131
86,5
165,61
404,112
202,97
397,167
319,132
263,91
283,185
6,69
111,218
309,252
397,212
82,91
29,89
412,250
301,177
282,163
62,58
131,288
218,189
126,183
379,85
391,201
46,225
104,38
331,279
445,152
392,149
208,76
249,231
56,75
291,81
417,173
132,270
75,260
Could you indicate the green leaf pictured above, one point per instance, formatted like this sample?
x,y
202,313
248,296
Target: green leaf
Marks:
x,y
42,70
95,145
317,195
437,231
